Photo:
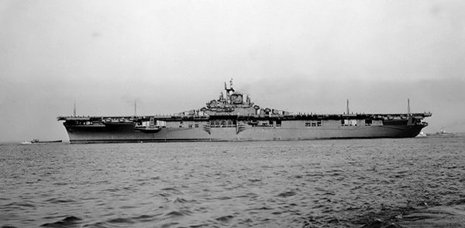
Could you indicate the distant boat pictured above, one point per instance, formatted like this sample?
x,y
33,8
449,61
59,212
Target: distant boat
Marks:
x,y
441,133
34,141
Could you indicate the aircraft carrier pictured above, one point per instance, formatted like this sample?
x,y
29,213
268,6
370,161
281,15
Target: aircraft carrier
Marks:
x,y
234,117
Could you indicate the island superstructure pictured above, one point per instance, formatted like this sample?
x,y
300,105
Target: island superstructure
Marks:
x,y
234,117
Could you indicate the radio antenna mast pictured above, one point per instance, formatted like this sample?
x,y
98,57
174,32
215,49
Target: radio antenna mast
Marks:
x,y
74,109
408,107
135,107
348,106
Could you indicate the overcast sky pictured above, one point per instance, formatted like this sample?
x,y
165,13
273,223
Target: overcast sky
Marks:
x,y
171,56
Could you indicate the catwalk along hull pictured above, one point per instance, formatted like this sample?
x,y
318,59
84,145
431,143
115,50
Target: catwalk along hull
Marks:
x,y
231,118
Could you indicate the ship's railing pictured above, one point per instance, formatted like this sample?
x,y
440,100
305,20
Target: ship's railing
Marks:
x,y
249,116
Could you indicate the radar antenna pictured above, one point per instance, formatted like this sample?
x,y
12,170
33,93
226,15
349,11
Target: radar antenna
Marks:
x,y
228,91
231,89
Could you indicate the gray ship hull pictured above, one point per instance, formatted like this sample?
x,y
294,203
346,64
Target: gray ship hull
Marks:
x,y
127,133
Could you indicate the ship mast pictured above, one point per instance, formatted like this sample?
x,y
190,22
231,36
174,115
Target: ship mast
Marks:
x,y
135,107
74,109
228,91
408,107
348,106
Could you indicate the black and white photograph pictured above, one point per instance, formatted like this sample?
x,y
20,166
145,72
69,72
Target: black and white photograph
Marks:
x,y
232,113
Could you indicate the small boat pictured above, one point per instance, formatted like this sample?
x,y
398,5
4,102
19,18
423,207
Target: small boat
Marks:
x,y
148,128
52,141
34,141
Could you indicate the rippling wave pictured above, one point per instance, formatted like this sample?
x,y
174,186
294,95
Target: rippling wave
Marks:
x,y
327,183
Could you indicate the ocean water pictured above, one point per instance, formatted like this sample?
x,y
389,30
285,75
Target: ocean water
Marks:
x,y
320,183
